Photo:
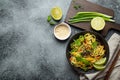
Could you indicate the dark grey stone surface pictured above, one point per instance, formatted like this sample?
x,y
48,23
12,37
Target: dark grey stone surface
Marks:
x,y
28,48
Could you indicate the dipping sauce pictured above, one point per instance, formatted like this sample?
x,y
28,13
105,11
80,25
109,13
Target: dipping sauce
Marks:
x,y
62,31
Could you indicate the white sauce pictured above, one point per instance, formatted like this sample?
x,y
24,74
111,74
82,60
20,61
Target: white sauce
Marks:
x,y
62,31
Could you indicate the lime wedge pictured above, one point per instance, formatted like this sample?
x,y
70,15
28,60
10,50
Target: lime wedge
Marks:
x,y
98,67
101,61
98,23
56,13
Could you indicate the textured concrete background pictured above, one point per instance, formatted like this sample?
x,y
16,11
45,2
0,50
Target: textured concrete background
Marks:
x,y
28,49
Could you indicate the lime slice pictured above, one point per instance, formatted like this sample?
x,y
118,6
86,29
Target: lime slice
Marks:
x,y
56,13
98,67
98,23
101,61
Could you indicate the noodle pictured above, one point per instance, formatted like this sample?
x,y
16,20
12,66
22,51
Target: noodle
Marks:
x,y
85,51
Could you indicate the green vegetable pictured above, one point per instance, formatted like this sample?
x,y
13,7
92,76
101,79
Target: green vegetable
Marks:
x,y
78,20
52,23
83,60
94,44
94,13
88,16
73,50
77,7
77,42
81,38
49,18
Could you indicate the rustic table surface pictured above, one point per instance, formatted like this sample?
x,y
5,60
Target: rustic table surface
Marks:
x,y
28,48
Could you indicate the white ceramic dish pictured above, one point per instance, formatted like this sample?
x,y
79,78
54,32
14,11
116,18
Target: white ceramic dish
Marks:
x,y
62,31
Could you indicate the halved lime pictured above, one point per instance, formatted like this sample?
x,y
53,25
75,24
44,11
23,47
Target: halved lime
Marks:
x,y
101,61
56,13
98,67
98,23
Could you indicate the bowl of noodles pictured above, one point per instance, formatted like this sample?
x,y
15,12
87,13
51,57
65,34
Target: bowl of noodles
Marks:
x,y
86,50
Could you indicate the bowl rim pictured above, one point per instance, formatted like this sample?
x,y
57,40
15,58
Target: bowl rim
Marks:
x,y
62,23
80,71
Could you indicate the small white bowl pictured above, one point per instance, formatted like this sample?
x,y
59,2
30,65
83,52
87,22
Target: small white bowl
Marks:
x,y
62,31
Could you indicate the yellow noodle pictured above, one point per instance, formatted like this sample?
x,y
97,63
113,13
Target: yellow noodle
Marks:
x,y
85,46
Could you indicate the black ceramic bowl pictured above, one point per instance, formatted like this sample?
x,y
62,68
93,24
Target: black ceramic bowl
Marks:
x,y
76,36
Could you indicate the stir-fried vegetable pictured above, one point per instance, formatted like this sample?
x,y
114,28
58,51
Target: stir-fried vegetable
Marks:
x,y
85,51
87,16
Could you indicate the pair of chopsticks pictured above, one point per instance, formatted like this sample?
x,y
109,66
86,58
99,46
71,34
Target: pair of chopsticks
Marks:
x,y
109,68
113,64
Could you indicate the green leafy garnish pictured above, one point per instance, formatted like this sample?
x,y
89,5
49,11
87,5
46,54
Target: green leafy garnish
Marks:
x,y
81,38
52,22
49,18
94,44
83,60
77,42
77,7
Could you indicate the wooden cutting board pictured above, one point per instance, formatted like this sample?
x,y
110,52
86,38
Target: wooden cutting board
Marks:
x,y
89,6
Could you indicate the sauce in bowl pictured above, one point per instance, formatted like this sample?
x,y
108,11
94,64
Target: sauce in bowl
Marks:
x,y
62,31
